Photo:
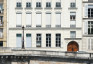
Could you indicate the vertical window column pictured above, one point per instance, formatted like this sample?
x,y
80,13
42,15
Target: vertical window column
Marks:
x,y
28,19
48,40
18,19
18,40
58,19
58,40
38,40
38,19
28,40
48,19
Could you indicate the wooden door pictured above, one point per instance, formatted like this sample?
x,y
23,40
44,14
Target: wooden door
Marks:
x,y
72,47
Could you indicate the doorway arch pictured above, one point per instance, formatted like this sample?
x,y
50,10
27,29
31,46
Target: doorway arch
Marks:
x,y
72,46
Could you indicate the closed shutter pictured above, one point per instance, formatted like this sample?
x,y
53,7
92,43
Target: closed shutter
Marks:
x,y
28,40
86,10
38,19
58,19
86,27
28,19
91,44
18,40
48,19
18,19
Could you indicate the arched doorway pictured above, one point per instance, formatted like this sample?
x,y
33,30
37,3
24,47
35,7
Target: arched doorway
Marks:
x,y
72,46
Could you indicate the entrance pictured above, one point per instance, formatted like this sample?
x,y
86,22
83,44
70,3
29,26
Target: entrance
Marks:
x,y
72,46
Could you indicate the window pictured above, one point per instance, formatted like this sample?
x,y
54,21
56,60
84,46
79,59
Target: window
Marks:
x,y
1,20
90,11
18,40
38,19
18,4
90,44
72,34
72,24
38,4
48,4
18,19
28,4
48,19
28,19
58,40
1,43
73,3
1,33
1,8
28,40
58,4
72,16
58,19
90,27
48,40
38,40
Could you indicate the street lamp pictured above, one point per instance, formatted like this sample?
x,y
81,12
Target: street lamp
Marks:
x,y
23,47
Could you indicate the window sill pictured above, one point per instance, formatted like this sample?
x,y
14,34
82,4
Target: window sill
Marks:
x,y
18,26
74,8
48,8
72,38
58,8
28,8
18,8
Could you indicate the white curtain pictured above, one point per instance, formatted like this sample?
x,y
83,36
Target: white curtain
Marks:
x,y
48,19
86,27
58,19
18,18
86,10
38,19
28,19
18,40
28,40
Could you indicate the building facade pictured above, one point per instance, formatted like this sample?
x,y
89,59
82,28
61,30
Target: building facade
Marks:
x,y
49,24
3,22
87,25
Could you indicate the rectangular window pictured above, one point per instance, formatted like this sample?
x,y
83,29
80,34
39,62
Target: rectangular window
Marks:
x,y
73,4
72,34
58,4
90,44
38,19
58,19
28,40
18,19
1,33
90,11
48,40
28,19
72,24
18,40
48,4
28,4
72,16
90,27
38,4
18,4
48,19
38,40
1,43
1,8
1,20
58,40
